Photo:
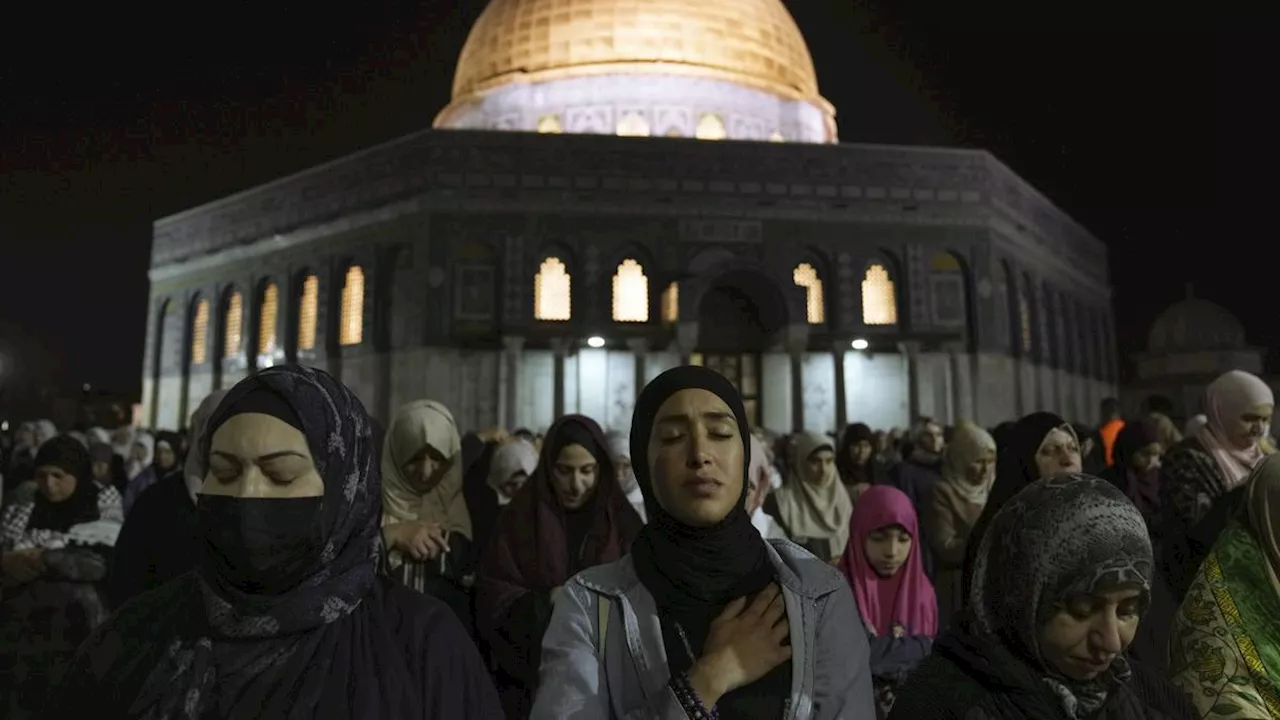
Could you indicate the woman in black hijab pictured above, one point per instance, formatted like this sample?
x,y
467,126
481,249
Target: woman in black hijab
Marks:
x,y
725,624
285,615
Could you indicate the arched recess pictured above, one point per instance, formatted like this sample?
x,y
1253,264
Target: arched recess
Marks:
x,y
1084,341
552,273
1053,347
228,331
1031,325
881,286
630,300
350,326
951,295
198,320
1067,319
1011,325
157,358
303,326
812,273
266,323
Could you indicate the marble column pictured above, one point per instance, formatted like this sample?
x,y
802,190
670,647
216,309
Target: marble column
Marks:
x,y
640,351
842,411
509,381
559,349
911,350
960,409
797,342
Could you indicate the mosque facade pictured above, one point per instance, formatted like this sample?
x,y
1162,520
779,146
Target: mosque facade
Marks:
x,y
621,186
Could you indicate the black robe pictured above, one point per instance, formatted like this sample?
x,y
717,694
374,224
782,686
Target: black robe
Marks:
x,y
157,543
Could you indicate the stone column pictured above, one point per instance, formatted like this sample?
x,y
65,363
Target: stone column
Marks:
x,y
559,348
842,411
911,350
509,381
797,342
686,340
959,408
640,350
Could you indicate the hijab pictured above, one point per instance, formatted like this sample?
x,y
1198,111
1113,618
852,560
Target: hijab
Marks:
x,y
969,443
122,439
1065,535
1143,488
852,474
814,510
67,454
907,598
1232,395
425,423
97,435
197,462
275,655
148,444
620,447
510,459
692,572
1169,435
1195,424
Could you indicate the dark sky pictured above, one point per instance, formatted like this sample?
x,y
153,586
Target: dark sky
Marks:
x,y
1146,127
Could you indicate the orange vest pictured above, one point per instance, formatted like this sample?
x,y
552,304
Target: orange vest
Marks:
x,y
1109,433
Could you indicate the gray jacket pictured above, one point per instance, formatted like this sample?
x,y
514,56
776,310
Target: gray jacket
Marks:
x,y
627,678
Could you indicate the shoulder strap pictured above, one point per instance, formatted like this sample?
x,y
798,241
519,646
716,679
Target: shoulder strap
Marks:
x,y
602,623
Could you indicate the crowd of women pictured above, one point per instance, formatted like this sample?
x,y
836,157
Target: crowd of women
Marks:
x,y
287,557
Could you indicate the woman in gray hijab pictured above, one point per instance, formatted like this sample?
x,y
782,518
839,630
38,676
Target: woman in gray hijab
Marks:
x,y
1061,581
158,541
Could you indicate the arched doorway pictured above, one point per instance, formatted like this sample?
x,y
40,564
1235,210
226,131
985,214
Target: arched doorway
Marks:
x,y
740,317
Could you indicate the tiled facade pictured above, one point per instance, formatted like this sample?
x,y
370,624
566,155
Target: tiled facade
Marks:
x,y
450,229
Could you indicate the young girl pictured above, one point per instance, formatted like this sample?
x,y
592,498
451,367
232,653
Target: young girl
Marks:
x,y
895,598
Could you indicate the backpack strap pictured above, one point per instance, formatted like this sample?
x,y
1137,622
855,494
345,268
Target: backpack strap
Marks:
x,y
602,624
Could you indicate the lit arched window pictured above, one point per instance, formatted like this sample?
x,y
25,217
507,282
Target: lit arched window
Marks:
x,y
674,132
776,137
1024,320
549,124
308,303
807,278
200,333
710,127
234,330
633,125
630,293
551,298
879,301
352,330
267,320
671,303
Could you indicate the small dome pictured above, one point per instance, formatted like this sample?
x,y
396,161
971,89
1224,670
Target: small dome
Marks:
x,y
1193,325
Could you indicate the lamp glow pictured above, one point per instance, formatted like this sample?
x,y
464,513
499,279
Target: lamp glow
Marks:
x,y
860,344
595,341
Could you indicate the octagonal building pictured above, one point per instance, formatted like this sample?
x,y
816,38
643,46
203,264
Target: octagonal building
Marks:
x,y
620,186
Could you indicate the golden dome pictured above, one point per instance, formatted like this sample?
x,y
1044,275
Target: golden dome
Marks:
x,y
751,42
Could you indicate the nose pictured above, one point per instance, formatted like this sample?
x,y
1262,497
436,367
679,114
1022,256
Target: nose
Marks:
x,y
1106,635
697,452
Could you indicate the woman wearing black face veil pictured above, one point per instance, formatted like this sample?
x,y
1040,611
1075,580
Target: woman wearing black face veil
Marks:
x,y
703,618
285,615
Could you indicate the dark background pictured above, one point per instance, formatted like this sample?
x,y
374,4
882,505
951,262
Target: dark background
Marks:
x,y
1146,125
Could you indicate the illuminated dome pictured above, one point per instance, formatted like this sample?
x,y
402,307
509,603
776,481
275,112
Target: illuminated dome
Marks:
x,y
1194,325
716,69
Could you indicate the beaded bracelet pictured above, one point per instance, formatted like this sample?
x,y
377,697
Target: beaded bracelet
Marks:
x,y
690,701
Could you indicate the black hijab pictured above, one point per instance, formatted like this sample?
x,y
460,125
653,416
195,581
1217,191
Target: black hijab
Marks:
x,y
850,473
693,572
68,455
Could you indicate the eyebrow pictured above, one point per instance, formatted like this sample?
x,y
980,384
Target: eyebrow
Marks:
x,y
714,415
264,458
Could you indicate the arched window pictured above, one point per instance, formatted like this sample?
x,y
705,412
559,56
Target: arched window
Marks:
x,y
777,137
806,277
308,304
710,127
633,125
1024,319
671,304
674,132
549,125
200,333
233,332
551,297
351,331
879,299
267,319
630,293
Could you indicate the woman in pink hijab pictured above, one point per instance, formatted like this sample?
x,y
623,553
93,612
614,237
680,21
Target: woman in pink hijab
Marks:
x,y
1206,471
897,602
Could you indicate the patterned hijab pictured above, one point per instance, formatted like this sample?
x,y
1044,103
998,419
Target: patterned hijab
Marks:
x,y
277,652
1062,536
425,423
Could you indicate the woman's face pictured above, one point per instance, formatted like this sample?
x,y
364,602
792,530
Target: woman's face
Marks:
x,y
513,484
1251,427
574,476
1147,458
138,452
860,452
887,549
626,479
165,457
819,466
696,458
1089,631
981,471
422,469
101,470
252,455
55,483
1058,453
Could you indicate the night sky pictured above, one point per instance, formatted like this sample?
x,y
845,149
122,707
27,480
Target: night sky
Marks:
x,y
1145,126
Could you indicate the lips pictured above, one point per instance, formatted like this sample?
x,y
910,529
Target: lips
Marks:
x,y
702,485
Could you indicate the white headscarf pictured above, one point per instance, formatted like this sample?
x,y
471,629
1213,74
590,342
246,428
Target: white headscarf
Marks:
x,y
1226,399
417,425
815,510
137,467
510,459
